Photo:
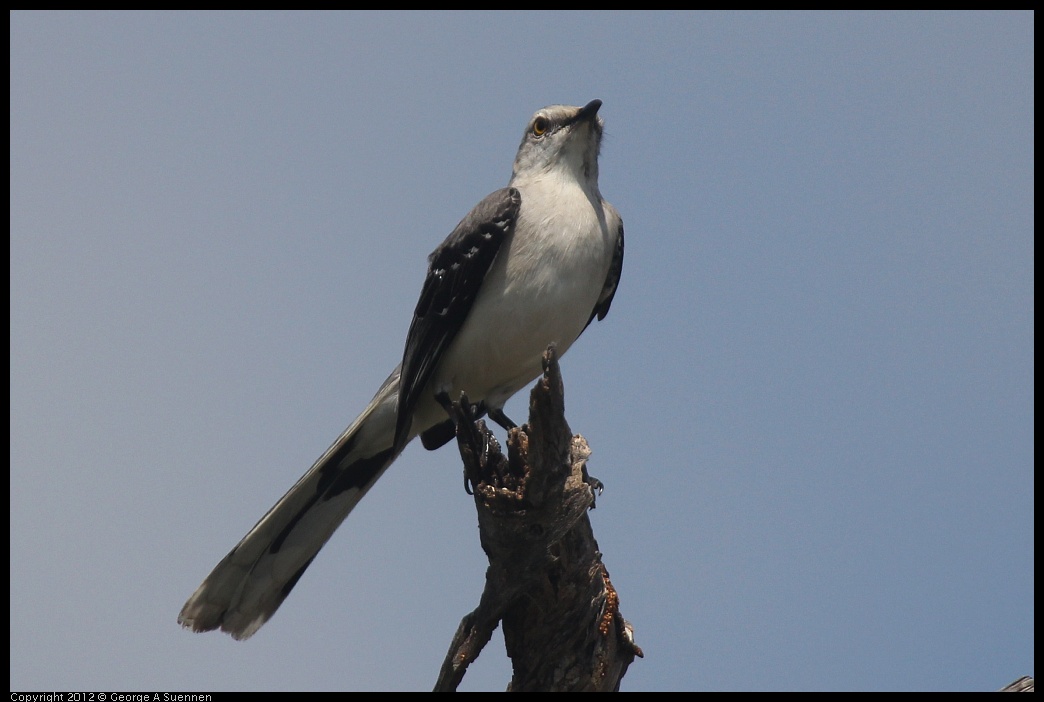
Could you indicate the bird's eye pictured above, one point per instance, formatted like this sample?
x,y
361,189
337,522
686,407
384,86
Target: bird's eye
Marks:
x,y
540,126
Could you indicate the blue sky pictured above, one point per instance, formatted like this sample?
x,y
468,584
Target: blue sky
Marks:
x,y
811,403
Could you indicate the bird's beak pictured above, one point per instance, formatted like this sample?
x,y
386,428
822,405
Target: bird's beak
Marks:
x,y
587,112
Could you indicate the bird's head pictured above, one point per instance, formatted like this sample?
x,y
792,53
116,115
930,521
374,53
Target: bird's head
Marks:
x,y
561,137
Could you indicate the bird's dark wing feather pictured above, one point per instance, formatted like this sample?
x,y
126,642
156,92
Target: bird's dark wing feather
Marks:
x,y
456,270
601,308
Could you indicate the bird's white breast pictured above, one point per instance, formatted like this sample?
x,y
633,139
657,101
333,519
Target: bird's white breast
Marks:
x,y
541,289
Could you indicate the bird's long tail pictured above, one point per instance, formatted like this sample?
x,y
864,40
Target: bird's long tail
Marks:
x,y
249,584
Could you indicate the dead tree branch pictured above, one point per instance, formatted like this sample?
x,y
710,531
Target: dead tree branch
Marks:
x,y
546,582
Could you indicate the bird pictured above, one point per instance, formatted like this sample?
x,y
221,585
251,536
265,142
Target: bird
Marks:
x,y
531,264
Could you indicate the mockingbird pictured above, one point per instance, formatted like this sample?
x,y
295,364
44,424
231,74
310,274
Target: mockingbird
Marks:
x,y
531,264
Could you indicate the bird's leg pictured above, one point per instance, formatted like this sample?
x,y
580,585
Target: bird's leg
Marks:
x,y
478,440
594,483
498,416
443,399
472,412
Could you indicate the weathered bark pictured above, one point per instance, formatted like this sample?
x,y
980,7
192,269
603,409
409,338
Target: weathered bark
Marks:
x,y
546,582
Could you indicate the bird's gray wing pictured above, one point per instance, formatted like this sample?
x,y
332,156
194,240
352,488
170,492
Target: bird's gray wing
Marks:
x,y
456,270
612,280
